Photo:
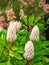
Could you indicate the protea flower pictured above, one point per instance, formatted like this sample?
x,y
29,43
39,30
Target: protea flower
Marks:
x,y
12,29
10,14
46,8
11,33
42,3
34,34
29,51
24,4
31,2
2,19
3,24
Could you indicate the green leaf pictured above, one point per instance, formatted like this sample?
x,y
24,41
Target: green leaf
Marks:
x,y
3,63
34,42
21,62
43,45
37,19
42,52
38,57
24,26
11,53
23,32
0,33
9,63
42,37
23,41
25,20
20,50
16,55
41,26
3,37
38,63
31,19
45,59
14,48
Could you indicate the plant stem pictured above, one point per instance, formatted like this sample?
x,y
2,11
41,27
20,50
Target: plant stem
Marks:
x,y
27,63
11,44
30,28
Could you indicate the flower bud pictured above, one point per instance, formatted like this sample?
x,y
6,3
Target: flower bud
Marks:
x,y
12,29
18,26
11,33
35,33
29,51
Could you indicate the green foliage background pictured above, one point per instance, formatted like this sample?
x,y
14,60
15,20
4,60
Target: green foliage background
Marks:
x,y
15,57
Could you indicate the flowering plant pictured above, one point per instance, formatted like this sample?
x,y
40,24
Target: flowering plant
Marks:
x,y
23,41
